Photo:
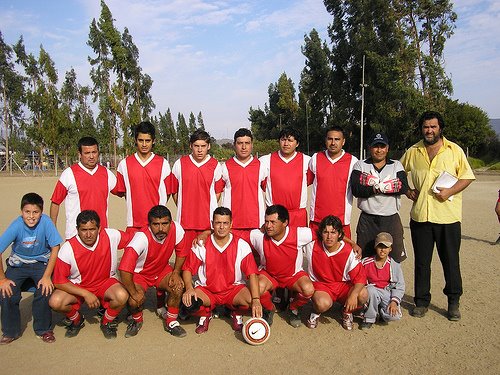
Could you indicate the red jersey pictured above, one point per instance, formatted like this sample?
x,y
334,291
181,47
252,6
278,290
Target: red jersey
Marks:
x,y
218,268
148,256
286,182
281,259
341,265
197,186
145,184
242,192
331,191
86,266
84,189
380,277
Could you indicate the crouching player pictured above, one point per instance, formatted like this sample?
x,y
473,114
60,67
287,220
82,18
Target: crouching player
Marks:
x,y
85,271
145,264
221,264
336,273
386,285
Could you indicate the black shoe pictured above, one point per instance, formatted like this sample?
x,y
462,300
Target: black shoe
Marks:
x,y
175,329
268,316
109,329
419,311
365,325
73,329
454,312
133,329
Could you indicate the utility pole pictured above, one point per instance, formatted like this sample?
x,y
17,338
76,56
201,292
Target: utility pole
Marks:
x,y
363,85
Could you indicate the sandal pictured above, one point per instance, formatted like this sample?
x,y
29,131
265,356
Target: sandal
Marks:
x,y
7,340
48,337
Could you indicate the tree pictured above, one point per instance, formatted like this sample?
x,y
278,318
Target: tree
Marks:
x,y
192,123
182,135
167,141
201,123
12,93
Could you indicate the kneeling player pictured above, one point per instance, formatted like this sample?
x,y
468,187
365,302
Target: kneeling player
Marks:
x,y
336,273
221,265
145,264
85,271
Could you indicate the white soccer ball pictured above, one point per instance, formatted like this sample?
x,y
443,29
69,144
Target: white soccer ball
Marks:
x,y
256,331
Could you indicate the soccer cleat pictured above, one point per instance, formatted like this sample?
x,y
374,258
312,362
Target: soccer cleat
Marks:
x,y
175,329
294,319
6,340
365,325
419,311
347,321
133,329
202,325
73,329
109,329
268,316
101,311
236,322
312,323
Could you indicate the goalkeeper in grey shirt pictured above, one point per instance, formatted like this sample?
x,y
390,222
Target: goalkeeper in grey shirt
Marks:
x,y
378,183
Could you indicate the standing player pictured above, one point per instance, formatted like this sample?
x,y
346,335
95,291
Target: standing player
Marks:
x,y
242,176
222,264
35,243
436,215
286,182
336,273
145,264
280,250
329,173
83,186
196,186
85,271
378,183
142,178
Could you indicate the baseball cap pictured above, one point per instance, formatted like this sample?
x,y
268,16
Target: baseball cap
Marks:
x,y
383,238
379,138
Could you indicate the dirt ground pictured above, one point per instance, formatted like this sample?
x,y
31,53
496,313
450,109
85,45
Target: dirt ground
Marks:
x,y
431,345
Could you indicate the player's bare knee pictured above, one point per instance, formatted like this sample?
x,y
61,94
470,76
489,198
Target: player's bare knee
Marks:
x,y
323,305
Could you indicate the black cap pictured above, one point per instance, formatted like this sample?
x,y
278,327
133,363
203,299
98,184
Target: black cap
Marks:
x,y
379,138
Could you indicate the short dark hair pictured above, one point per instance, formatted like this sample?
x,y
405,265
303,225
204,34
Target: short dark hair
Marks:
x,y
145,127
282,212
333,221
87,215
290,132
243,132
199,135
429,115
335,128
158,212
223,211
32,198
87,141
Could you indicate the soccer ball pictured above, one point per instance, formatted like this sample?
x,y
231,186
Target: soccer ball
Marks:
x,y
256,331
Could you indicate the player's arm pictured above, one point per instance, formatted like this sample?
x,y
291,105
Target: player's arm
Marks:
x,y
90,299
46,282
253,282
5,284
127,279
187,277
355,247
351,302
445,193
176,281
54,212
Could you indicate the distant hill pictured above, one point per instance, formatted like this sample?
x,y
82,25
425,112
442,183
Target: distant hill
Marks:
x,y
495,125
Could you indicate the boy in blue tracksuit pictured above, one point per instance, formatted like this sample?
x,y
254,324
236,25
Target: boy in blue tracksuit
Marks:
x,y
35,243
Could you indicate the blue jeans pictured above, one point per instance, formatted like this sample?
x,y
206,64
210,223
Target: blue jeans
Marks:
x,y
26,274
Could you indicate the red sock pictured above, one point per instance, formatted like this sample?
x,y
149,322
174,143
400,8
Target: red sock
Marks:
x,y
241,310
267,301
138,317
203,311
109,315
299,300
74,315
172,313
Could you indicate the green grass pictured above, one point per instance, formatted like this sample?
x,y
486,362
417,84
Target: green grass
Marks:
x,y
475,163
495,167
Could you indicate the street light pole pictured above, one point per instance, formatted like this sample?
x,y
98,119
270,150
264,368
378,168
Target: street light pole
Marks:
x,y
363,85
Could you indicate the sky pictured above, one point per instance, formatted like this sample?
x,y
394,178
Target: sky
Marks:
x,y
220,56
